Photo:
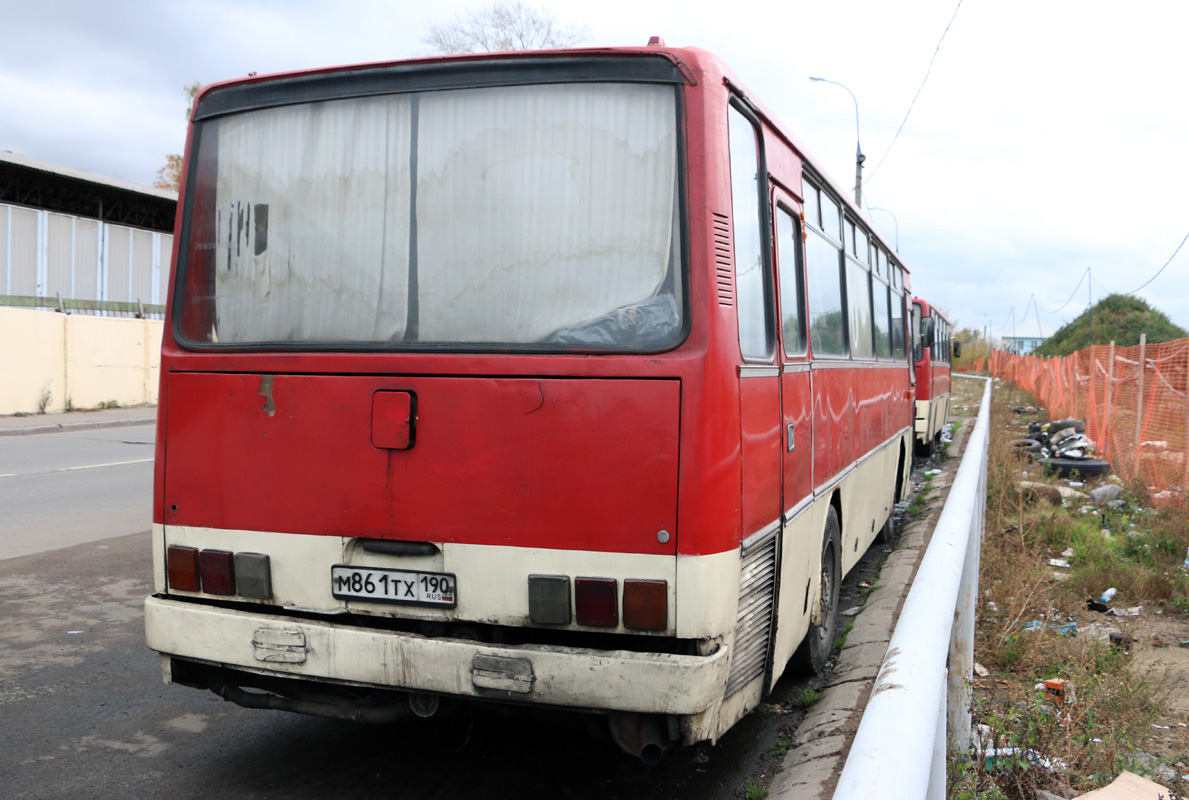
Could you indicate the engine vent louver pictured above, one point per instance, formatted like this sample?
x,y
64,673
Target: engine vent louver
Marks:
x,y
753,627
724,278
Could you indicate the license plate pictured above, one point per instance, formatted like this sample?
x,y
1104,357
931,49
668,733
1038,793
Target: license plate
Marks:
x,y
394,586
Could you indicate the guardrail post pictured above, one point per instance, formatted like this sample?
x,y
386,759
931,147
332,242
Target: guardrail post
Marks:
x,y
937,774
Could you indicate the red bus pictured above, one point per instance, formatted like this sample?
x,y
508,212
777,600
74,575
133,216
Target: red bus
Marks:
x,y
932,343
562,379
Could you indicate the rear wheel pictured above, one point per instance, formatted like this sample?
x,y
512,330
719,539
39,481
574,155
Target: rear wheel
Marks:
x,y
815,651
889,533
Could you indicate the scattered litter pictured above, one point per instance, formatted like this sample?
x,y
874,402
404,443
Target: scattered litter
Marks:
x,y
1128,786
852,612
1119,639
1034,625
1094,605
1158,642
1160,727
1088,510
931,472
1068,629
1068,552
73,633
1076,484
1061,689
992,607
1134,611
1109,594
980,670
1058,562
1185,643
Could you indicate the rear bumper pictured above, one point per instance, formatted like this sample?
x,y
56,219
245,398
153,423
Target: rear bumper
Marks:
x,y
657,683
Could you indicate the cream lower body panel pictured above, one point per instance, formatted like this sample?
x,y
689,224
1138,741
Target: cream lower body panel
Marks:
x,y
931,416
866,496
492,580
315,649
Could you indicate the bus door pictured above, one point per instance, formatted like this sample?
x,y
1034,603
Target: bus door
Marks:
x,y
759,405
801,540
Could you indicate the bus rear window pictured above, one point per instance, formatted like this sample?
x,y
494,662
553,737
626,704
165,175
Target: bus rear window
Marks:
x,y
525,216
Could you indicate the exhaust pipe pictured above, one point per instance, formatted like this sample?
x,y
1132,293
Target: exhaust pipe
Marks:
x,y
345,710
639,735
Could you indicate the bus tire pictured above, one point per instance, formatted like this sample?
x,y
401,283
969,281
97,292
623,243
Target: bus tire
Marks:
x,y
818,646
923,449
889,534
1084,467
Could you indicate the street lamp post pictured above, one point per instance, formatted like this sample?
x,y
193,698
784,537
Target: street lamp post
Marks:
x,y
859,157
894,220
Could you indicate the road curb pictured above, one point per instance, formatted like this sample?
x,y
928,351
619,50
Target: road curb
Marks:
x,y
67,427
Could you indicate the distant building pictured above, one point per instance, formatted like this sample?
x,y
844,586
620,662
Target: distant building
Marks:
x,y
69,234
1026,339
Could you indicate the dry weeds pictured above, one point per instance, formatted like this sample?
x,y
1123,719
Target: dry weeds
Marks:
x,y
1034,625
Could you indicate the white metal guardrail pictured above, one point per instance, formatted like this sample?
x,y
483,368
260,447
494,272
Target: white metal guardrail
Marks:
x,y
924,684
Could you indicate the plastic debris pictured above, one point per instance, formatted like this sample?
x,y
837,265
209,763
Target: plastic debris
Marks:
x,y
980,670
1058,562
1068,629
1076,484
1134,611
1034,625
1094,605
1109,594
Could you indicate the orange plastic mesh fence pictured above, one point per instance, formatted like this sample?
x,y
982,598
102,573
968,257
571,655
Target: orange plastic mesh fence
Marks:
x,y
1134,401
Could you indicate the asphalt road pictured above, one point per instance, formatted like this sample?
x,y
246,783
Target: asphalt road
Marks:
x,y
84,713
61,489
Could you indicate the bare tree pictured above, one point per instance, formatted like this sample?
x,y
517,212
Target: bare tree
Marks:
x,y
170,174
502,26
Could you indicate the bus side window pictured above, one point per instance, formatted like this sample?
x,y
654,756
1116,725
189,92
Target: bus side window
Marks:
x,y
788,258
752,286
898,350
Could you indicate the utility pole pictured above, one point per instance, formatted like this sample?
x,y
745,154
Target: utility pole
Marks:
x,y
859,157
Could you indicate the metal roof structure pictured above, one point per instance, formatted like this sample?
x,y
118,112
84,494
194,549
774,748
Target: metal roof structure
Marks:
x,y
41,185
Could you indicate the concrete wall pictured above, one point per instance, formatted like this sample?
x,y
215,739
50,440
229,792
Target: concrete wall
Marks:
x,y
76,359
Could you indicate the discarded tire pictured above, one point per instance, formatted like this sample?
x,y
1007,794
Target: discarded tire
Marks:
x,y
1085,467
1027,445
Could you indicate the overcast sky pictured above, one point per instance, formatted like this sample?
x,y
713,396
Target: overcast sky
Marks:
x,y
1048,139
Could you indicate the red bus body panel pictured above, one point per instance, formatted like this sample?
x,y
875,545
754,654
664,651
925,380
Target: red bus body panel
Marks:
x,y
534,463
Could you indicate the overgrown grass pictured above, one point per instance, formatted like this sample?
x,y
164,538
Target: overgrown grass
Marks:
x,y
1023,606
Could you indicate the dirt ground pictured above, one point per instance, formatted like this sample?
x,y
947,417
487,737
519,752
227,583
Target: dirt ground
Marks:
x,y
1156,642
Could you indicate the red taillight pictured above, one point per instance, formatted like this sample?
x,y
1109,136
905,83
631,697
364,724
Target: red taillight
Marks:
x,y
218,572
645,605
596,602
181,564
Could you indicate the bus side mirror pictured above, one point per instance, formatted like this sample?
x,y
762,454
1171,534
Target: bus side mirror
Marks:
x,y
957,349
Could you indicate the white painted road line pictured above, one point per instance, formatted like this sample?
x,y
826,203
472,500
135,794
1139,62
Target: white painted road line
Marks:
x,y
74,469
